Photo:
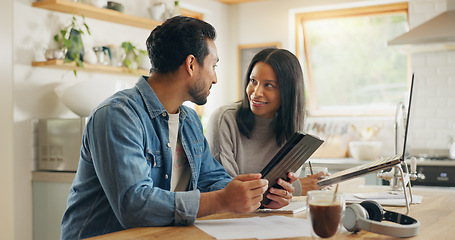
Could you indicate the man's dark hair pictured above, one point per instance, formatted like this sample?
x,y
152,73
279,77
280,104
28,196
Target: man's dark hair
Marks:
x,y
290,115
170,43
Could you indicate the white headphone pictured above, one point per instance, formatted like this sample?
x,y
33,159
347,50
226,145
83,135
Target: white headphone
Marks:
x,y
368,216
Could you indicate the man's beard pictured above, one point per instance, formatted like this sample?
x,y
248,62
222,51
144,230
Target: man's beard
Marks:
x,y
198,93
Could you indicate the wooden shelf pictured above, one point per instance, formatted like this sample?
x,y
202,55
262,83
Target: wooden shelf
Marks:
x,y
59,64
77,8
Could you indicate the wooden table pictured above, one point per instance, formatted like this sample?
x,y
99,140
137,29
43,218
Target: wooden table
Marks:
x,y
436,214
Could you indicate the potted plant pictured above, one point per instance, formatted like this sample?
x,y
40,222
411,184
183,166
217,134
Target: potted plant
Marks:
x,y
133,55
70,38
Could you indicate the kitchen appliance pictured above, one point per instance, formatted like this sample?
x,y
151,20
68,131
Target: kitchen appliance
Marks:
x,y
440,29
59,144
438,171
433,171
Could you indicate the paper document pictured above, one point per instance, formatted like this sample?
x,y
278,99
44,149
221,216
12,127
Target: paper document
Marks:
x,y
256,227
383,198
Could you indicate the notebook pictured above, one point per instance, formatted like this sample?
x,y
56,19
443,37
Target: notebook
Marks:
x,y
289,158
374,165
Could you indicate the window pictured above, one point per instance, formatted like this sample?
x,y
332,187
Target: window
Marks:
x,y
349,69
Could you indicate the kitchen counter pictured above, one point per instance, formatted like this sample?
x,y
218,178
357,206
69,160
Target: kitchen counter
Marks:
x,y
334,164
447,163
342,163
55,177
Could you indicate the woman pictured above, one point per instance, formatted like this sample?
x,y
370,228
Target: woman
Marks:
x,y
245,136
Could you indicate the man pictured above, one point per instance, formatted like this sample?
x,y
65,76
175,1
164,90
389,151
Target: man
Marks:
x,y
144,159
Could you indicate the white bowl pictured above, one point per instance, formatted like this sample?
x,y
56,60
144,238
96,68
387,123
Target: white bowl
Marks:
x,y
82,97
365,150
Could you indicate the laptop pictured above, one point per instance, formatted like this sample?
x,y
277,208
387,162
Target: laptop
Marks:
x,y
289,158
374,165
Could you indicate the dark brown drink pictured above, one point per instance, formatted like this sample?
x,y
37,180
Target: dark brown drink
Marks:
x,y
325,219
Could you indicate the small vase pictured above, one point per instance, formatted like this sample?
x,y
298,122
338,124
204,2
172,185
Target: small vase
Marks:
x,y
77,45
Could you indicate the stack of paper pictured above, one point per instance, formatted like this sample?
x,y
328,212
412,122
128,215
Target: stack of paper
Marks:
x,y
256,227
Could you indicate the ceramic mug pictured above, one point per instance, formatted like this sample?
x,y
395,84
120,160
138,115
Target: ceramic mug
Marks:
x,y
90,57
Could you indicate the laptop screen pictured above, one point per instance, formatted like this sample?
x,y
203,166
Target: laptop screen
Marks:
x,y
406,129
374,165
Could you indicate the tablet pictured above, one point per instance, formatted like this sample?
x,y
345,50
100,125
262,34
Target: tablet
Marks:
x,y
289,158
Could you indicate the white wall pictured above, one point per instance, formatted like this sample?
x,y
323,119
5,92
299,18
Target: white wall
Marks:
x,y
219,15
7,200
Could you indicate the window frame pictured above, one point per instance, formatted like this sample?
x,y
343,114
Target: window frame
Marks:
x,y
302,50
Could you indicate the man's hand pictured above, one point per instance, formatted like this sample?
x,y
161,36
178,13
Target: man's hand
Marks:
x,y
282,197
242,195
310,182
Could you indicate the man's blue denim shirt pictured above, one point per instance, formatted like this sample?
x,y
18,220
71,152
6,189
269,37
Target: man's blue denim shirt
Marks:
x,y
124,173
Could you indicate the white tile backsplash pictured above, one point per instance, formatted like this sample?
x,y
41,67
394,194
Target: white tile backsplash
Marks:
x,y
434,117
423,10
434,97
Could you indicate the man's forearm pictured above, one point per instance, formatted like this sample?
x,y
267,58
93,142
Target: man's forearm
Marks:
x,y
210,203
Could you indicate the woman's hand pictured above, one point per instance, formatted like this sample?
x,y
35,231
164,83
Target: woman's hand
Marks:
x,y
282,197
309,182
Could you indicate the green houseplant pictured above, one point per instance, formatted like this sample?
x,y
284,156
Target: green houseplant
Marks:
x,y
70,38
132,55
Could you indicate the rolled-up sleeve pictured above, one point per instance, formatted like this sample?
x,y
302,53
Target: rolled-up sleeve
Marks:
x,y
186,207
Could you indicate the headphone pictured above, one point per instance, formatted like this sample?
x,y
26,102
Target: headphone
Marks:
x,y
368,216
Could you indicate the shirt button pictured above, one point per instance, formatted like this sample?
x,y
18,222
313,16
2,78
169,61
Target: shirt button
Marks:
x,y
163,114
168,144
166,176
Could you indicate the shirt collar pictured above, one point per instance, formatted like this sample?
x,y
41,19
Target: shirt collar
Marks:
x,y
151,101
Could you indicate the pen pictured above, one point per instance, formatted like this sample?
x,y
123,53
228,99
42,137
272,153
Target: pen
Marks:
x,y
311,168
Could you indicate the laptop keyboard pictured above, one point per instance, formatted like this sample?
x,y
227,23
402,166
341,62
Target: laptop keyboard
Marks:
x,y
360,170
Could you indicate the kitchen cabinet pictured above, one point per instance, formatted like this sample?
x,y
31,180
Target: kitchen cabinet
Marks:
x,y
50,193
